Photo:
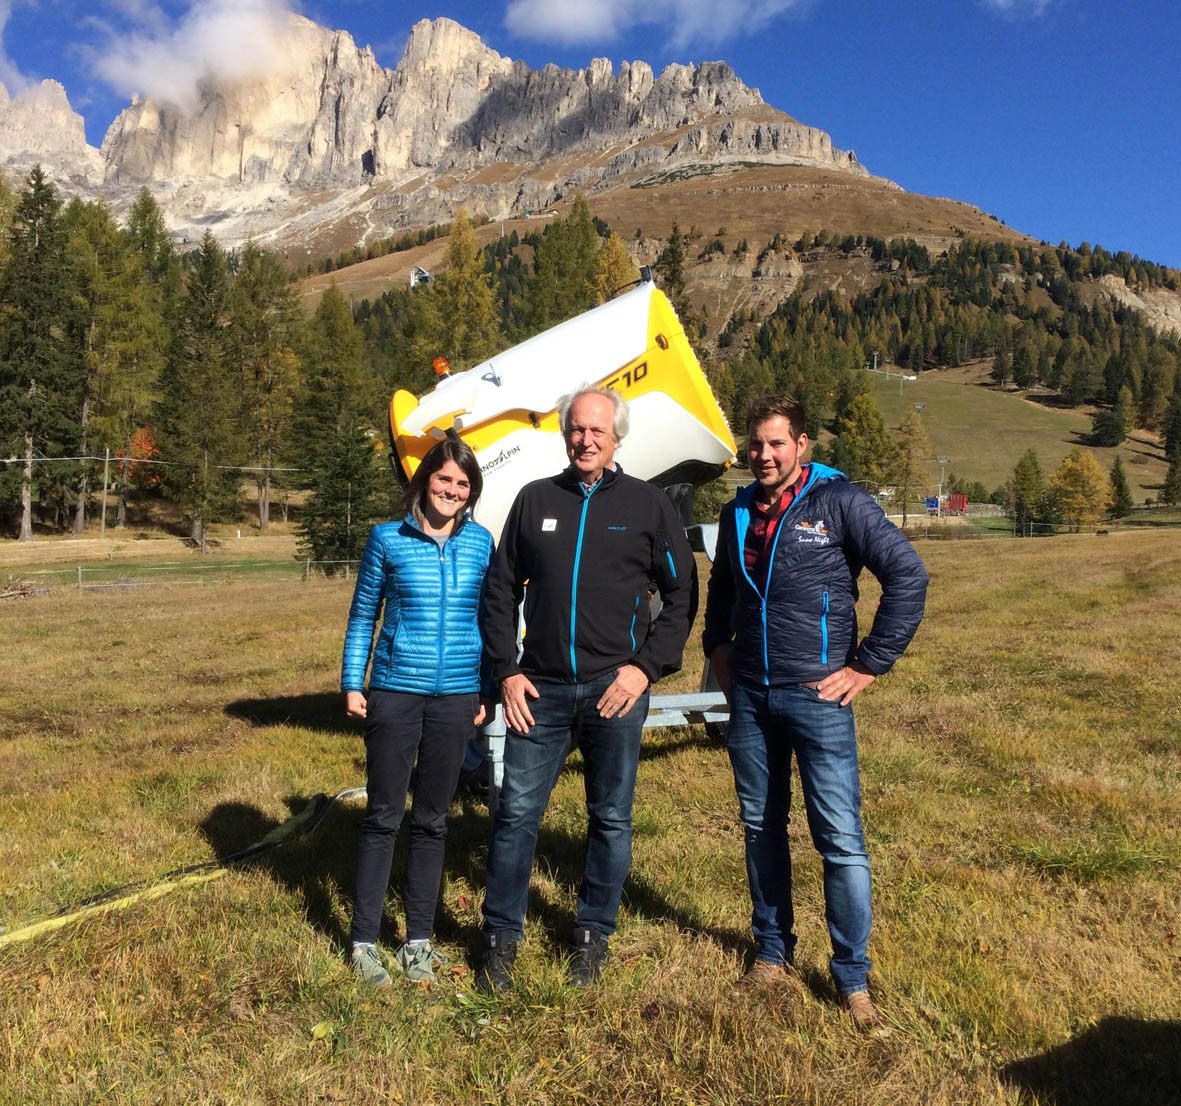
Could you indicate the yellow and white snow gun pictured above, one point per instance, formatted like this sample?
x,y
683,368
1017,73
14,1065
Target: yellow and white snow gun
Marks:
x,y
506,407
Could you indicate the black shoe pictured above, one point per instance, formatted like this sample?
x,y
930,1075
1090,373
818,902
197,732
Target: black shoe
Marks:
x,y
590,956
500,950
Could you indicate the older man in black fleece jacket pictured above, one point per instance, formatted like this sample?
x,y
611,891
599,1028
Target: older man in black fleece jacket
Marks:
x,y
588,542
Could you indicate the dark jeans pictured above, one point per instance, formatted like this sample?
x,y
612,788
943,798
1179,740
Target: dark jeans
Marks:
x,y
532,762
400,727
767,725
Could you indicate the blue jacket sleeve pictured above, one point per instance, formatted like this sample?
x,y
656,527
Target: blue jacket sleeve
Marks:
x,y
368,597
873,540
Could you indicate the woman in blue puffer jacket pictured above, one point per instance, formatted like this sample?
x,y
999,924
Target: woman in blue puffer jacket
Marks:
x,y
423,699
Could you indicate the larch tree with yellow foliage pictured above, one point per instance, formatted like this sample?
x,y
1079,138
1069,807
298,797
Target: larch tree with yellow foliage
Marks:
x,y
1082,490
614,268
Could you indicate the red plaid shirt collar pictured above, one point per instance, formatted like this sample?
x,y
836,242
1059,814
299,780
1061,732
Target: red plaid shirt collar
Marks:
x,y
764,517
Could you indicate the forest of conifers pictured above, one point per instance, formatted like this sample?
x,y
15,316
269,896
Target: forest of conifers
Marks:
x,y
200,374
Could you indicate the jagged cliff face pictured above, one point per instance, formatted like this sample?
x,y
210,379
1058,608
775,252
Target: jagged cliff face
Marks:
x,y
329,135
308,120
332,115
38,125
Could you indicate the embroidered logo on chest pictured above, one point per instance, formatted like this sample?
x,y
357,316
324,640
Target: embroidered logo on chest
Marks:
x,y
812,533
548,525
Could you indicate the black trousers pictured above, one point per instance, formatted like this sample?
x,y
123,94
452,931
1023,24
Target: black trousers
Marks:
x,y
400,728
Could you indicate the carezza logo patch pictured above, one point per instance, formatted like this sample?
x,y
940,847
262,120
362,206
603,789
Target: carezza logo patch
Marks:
x,y
812,533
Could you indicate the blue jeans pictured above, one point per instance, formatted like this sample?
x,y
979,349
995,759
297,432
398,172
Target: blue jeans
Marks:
x,y
766,726
532,763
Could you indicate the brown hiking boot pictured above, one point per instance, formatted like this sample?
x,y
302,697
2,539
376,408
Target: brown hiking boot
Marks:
x,y
761,975
867,1017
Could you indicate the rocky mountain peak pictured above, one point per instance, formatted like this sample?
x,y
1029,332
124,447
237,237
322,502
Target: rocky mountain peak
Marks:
x,y
38,125
323,127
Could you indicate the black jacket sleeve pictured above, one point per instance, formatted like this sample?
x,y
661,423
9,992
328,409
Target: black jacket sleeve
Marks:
x,y
722,588
873,540
504,588
674,570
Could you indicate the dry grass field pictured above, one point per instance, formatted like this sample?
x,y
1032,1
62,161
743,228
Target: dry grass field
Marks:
x,y
1021,772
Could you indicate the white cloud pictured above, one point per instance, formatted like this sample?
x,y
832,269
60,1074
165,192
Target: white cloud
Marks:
x,y
685,21
168,59
10,75
1018,9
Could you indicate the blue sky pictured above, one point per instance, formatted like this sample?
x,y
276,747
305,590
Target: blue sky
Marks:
x,y
1057,116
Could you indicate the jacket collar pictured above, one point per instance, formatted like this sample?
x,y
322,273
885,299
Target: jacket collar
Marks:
x,y
820,474
569,478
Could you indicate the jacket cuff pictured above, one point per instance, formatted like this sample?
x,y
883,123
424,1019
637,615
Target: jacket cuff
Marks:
x,y
875,666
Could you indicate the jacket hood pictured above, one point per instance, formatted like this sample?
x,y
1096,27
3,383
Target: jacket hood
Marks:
x,y
819,474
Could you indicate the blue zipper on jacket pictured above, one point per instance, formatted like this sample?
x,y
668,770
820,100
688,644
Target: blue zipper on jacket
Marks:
x,y
824,628
574,579
442,609
632,631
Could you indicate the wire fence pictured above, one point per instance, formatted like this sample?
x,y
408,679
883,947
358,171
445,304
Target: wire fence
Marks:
x,y
116,576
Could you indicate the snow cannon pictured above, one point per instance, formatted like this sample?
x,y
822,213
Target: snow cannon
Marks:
x,y
506,408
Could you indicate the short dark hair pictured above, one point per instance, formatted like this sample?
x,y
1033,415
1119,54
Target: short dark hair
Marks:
x,y
449,449
768,407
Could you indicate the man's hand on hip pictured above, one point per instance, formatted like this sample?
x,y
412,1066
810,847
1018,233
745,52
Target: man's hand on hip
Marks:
x,y
629,684
845,684
515,693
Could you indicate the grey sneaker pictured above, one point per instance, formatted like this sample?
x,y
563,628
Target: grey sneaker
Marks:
x,y
418,962
367,964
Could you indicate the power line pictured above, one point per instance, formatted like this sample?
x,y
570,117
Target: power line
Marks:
x,y
149,461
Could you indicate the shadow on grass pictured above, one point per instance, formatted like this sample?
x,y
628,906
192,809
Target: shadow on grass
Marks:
x,y
1120,1060
321,868
322,712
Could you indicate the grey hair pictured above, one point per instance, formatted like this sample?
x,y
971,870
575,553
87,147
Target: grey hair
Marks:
x,y
619,425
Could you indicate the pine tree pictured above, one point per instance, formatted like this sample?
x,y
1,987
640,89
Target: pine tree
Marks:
x,y
911,452
38,392
1110,426
332,438
1171,428
103,308
1026,492
1024,368
201,405
670,268
566,268
1121,495
863,449
145,312
263,322
455,315
1171,492
1081,488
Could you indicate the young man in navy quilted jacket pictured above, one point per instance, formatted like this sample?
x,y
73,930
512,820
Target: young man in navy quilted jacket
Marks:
x,y
781,635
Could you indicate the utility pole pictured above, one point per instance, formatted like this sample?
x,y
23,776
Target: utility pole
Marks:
x,y
102,530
